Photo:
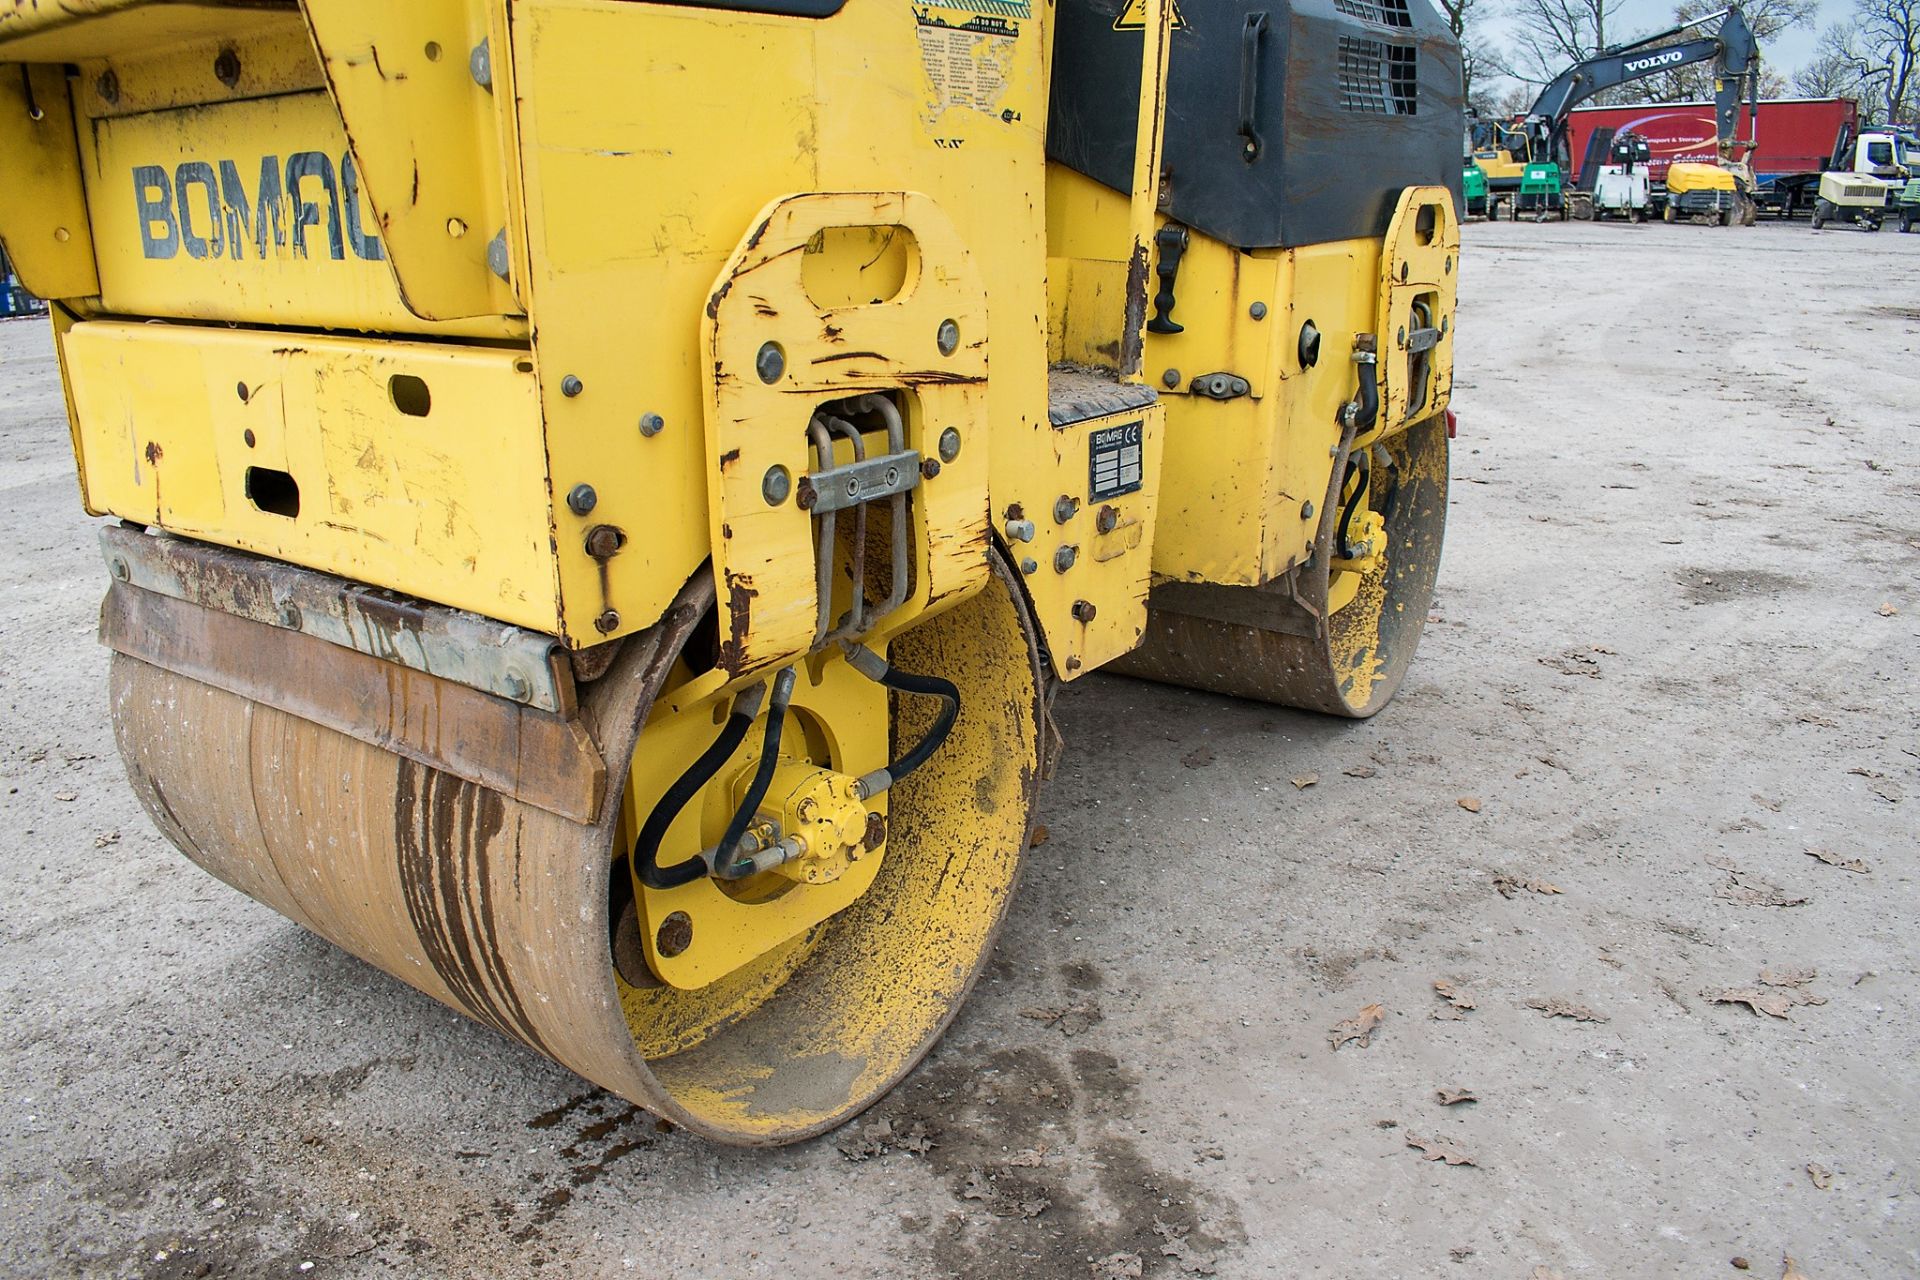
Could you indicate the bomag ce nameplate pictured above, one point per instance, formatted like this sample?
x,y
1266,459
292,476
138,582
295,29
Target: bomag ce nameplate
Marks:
x,y
604,491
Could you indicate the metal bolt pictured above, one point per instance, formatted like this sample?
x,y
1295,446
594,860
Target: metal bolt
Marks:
x,y
1107,519
1403,273
499,261
226,68
876,831
1065,509
604,541
480,65
1258,311
1443,325
652,424
118,568
1020,530
247,436
949,444
517,687
805,496
108,85
1029,565
770,362
571,386
929,468
1306,511
1449,264
776,485
1063,558
675,936
1083,611
1171,377
608,622
948,337
581,499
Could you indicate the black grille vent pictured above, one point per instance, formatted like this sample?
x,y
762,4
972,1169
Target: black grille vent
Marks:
x,y
1377,78
1388,13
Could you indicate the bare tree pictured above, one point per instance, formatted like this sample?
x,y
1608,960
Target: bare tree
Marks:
x,y
1873,56
1548,35
1478,67
1834,69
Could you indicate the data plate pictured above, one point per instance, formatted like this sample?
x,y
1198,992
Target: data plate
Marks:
x,y
1114,458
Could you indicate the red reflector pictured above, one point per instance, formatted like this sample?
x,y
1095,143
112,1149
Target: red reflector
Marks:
x,y
1453,425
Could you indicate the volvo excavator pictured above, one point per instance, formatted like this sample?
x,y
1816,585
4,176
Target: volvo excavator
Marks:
x,y
1526,161
596,497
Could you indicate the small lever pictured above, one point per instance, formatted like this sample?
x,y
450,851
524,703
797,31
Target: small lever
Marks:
x,y
1172,240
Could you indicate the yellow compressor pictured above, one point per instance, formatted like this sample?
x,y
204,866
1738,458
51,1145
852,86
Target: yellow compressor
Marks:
x,y
603,492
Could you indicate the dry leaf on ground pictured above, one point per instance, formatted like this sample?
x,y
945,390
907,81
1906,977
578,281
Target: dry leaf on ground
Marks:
x,y
1198,757
1304,781
1545,1273
1560,1007
1358,1028
1575,662
878,1137
1439,1149
1833,859
1510,885
1360,771
1031,1158
1765,803
106,841
1118,1266
1821,1175
1791,1269
66,797
1748,890
1040,835
1887,610
1458,999
1888,791
1173,1238
1470,803
1071,1019
1779,991
1454,1097
1814,717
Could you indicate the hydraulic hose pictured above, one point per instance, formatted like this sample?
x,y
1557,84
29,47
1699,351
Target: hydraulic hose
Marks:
x,y
762,776
646,847
874,667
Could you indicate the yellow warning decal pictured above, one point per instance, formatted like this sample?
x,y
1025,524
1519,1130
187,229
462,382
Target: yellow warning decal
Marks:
x,y
1134,16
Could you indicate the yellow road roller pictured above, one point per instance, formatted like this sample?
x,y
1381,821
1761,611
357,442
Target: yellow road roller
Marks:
x,y
602,493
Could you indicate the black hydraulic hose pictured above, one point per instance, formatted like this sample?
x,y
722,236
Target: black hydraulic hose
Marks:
x,y
762,776
646,847
932,687
1369,395
1361,462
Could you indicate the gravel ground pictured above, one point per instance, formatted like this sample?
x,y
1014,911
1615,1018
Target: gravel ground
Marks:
x,y
1673,651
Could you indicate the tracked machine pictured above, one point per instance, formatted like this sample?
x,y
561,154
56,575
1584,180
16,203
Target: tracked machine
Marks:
x,y
602,494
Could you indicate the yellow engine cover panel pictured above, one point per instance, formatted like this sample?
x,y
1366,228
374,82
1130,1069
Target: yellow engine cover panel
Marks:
x,y
410,466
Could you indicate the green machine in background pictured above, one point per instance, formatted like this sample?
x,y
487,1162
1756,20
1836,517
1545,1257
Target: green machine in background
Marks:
x,y
1539,193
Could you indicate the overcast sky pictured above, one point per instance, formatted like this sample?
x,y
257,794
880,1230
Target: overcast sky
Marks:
x,y
1784,53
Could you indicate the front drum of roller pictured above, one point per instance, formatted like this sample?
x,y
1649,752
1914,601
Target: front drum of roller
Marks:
x,y
500,909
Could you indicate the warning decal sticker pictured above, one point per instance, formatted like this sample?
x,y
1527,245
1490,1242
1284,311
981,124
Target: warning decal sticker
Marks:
x,y
967,48
1134,16
1113,461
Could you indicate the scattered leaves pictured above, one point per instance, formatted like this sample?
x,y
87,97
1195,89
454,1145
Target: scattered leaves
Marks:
x,y
1748,890
1560,1007
1833,859
1072,1019
1821,1175
1040,835
1304,781
878,1137
1577,662
106,841
1765,803
1173,1244
1198,758
1887,609
1470,803
1031,1158
66,797
1359,1028
1454,1097
1439,1149
1888,791
1360,771
1814,717
1791,1269
1778,992
1509,885
1458,1001
1118,1266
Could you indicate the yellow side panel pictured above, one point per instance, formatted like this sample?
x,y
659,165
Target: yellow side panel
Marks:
x,y
43,203
242,211
412,486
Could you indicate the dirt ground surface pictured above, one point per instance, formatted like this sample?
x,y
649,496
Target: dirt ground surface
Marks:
x,y
1674,650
